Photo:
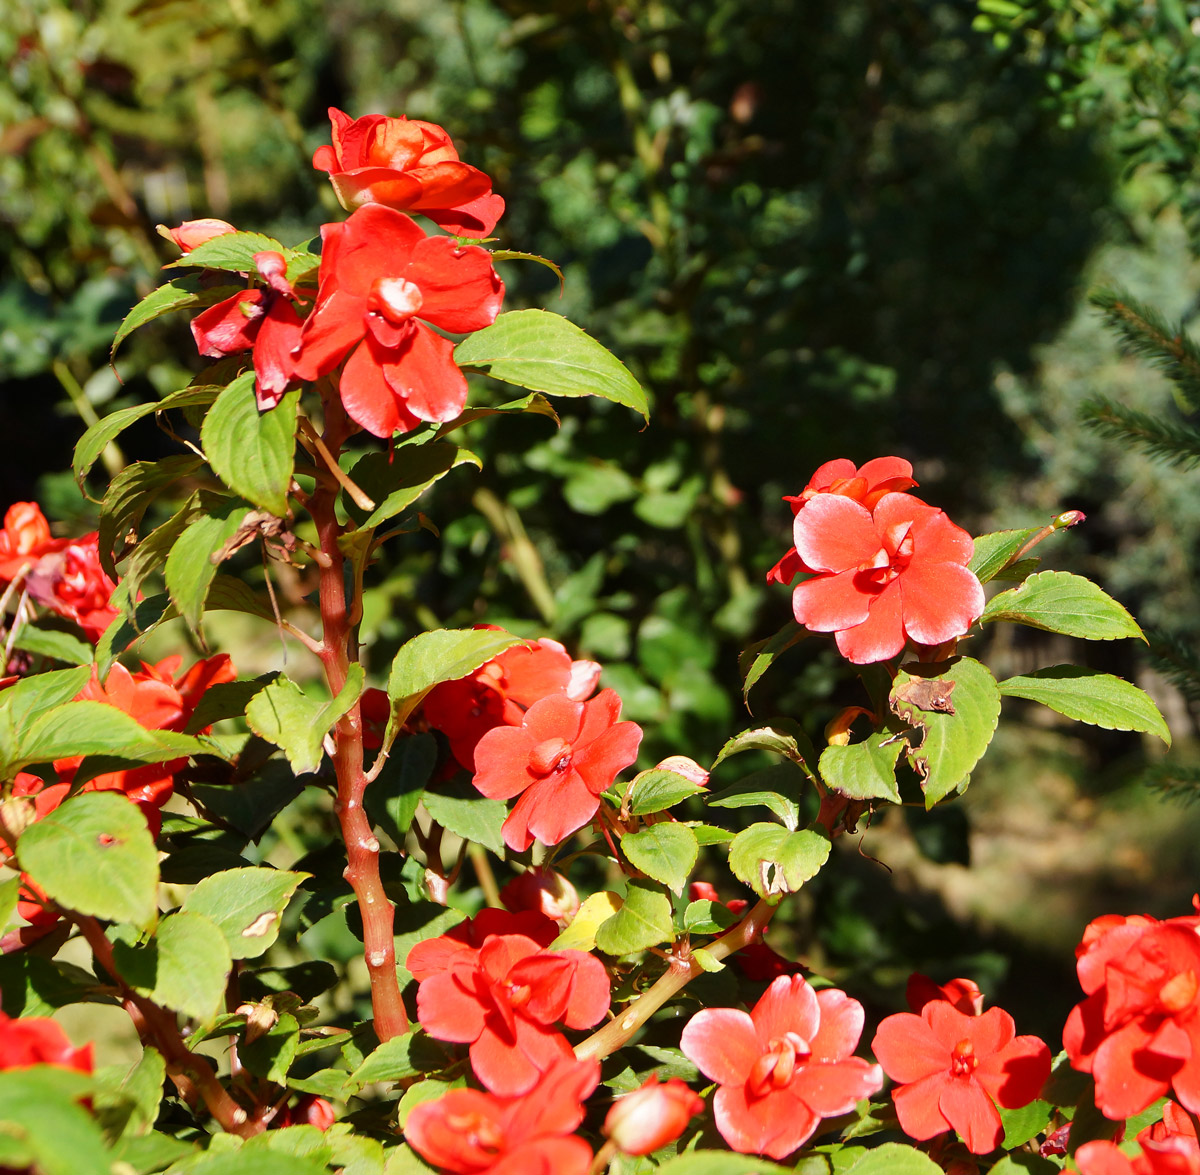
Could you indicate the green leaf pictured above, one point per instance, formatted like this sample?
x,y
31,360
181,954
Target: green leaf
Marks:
x,y
226,699
127,1097
956,705
24,700
771,860
55,644
179,293
1100,699
656,790
865,770
95,855
643,921
1058,601
271,1055
780,788
191,966
246,905
665,851
534,403
230,251
893,1158
719,1163
10,891
705,917
445,654
39,1107
994,552
189,569
395,484
394,794
285,715
460,809
512,255
398,1058
1025,1123
252,452
108,428
33,986
783,737
755,660
548,353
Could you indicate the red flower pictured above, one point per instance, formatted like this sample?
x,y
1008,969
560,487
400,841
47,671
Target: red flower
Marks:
x,y
408,165
650,1117
783,1067
1168,1147
379,272
502,1001
25,539
500,691
544,891
435,955
1138,1030
883,475
559,760
964,994
954,1069
264,320
38,1040
474,1133
71,582
885,576
195,232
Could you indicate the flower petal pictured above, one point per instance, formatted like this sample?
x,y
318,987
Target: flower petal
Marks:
x,y
971,1112
774,1125
830,603
881,634
788,1005
841,1026
829,1090
723,1043
834,533
422,372
941,600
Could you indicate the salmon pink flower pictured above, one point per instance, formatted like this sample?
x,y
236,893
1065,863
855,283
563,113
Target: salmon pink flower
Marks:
x,y
782,1067
474,1133
25,539
650,1117
883,475
954,1069
500,691
38,1040
1138,1030
408,165
381,280
434,955
70,581
195,232
502,1001
884,576
559,760
262,320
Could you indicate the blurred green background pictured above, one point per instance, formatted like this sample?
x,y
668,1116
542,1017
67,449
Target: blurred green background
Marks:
x,y
812,228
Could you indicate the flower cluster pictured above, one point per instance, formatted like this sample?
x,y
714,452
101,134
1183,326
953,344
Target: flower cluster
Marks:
x,y
885,568
1169,1147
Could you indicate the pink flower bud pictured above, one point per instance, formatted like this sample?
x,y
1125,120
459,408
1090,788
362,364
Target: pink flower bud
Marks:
x,y
688,768
543,891
195,232
650,1117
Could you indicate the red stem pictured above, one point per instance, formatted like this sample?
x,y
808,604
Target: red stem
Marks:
x,y
339,649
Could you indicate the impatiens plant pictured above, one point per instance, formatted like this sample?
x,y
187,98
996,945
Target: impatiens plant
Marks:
x,y
519,944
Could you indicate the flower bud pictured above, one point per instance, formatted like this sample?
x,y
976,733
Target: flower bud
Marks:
x,y
650,1117
195,232
544,891
688,768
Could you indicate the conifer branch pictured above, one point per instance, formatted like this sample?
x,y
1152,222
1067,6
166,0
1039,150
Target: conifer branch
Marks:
x,y
1174,781
1170,441
1176,661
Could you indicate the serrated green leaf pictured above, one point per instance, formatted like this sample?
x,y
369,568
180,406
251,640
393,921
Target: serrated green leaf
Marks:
x,y
705,917
130,494
95,855
233,252
191,966
535,403
55,644
128,1096
399,1058
700,1162
1100,699
252,452
226,699
1024,1123
235,595
460,809
771,860
779,788
108,428
643,921
396,483
271,1055
189,569
783,737
893,1158
865,770
24,700
593,912
246,905
759,657
285,715
1058,601
180,293
993,552
956,705
10,891
656,790
395,793
40,1107
548,353
665,851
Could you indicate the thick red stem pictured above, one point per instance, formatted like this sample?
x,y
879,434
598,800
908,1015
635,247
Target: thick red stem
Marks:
x,y
340,648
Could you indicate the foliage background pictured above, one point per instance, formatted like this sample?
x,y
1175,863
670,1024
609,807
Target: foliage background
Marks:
x,y
812,229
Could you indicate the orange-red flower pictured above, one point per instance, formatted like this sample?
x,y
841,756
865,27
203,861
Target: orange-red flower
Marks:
x,y
886,575
381,280
954,1069
782,1067
559,760
408,165
1168,1147
503,1000
195,232
70,581
38,1040
474,1133
964,994
25,539
650,1117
